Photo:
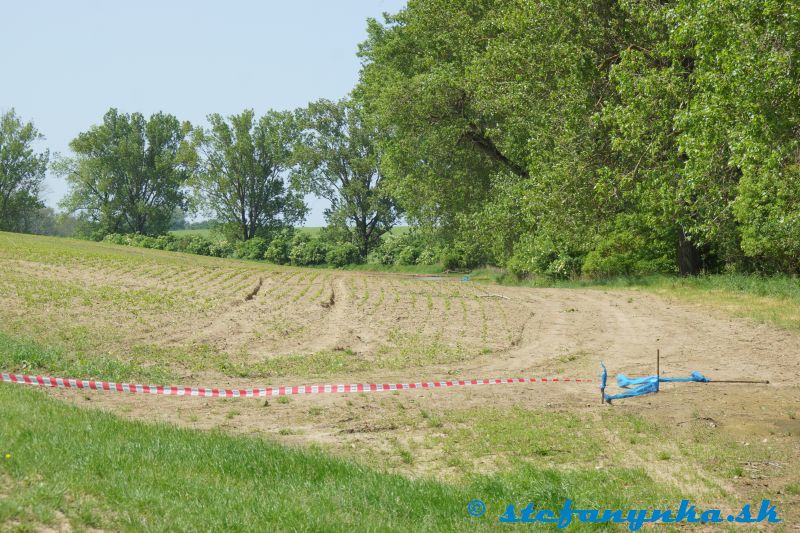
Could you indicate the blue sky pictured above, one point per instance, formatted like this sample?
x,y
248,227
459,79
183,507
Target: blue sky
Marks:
x,y
64,64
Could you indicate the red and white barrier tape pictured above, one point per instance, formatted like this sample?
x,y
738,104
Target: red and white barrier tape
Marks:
x,y
133,388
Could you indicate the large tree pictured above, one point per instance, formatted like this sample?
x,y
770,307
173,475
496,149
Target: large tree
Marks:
x,y
22,171
244,172
129,173
619,136
490,107
339,161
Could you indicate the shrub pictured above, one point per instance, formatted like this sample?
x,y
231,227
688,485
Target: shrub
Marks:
x,y
163,242
427,256
343,253
115,238
623,253
250,249
220,248
407,255
144,241
398,250
542,255
463,255
278,249
307,251
199,245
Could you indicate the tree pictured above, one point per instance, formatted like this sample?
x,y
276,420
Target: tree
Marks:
x,y
243,169
339,161
490,107
129,173
22,171
630,136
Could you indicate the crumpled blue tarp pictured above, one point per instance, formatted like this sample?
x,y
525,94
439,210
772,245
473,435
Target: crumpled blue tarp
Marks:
x,y
603,378
645,385
625,382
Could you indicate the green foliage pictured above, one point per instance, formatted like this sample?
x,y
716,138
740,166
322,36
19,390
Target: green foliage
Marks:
x,y
129,173
278,249
241,173
637,136
46,221
409,248
191,244
339,161
22,171
252,249
342,254
541,254
307,250
629,251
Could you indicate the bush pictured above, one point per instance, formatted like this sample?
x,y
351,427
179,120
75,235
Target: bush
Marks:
x,y
463,255
307,251
542,255
427,256
399,250
199,245
407,255
220,248
250,249
623,253
278,249
343,253
116,238
164,242
145,241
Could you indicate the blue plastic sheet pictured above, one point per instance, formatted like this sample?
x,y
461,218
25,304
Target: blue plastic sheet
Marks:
x,y
625,382
603,378
645,385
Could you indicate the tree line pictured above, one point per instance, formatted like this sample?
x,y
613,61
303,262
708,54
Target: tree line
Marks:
x,y
599,137
557,138
131,173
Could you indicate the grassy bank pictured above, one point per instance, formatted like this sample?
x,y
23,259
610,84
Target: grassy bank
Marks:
x,y
94,470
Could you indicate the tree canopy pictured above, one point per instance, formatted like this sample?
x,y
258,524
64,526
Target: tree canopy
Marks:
x,y
129,173
243,174
339,160
22,171
609,137
557,137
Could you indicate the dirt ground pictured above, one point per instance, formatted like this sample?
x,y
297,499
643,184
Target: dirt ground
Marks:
x,y
403,328
547,332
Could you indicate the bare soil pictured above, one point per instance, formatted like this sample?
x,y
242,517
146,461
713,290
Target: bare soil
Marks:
x,y
535,332
411,328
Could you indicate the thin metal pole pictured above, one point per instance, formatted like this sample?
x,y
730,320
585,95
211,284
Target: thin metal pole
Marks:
x,y
658,363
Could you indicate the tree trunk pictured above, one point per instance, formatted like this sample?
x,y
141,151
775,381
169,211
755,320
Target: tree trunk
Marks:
x,y
688,255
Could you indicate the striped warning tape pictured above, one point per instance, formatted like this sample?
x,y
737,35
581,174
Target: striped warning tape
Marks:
x,y
65,383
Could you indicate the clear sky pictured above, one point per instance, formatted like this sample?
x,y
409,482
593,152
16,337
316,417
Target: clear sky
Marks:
x,y
63,64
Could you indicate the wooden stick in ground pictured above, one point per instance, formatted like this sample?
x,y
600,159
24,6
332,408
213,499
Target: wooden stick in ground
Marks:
x,y
757,381
658,364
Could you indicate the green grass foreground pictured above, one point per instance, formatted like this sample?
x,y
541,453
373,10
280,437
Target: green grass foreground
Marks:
x,y
95,470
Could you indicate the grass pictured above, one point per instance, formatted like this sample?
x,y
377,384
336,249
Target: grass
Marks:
x,y
60,454
501,435
27,357
190,232
105,472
